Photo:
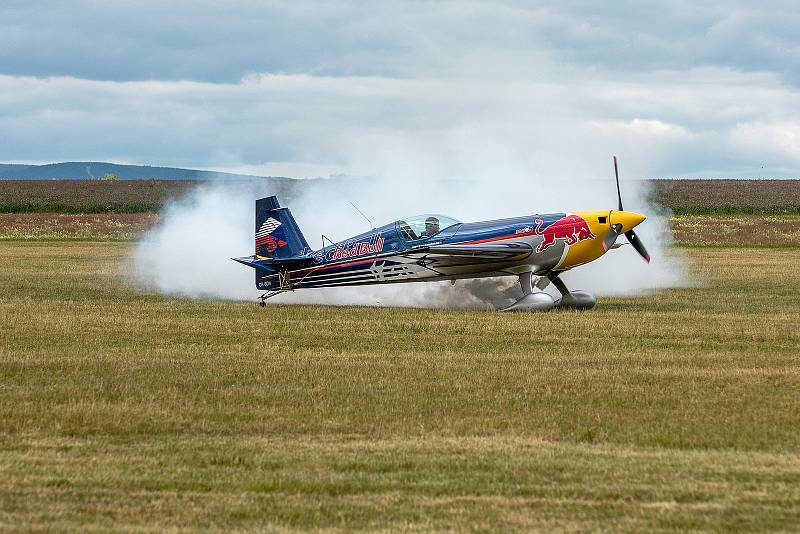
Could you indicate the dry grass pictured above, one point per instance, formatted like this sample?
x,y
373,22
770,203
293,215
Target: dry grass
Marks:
x,y
736,230
127,410
404,483
65,226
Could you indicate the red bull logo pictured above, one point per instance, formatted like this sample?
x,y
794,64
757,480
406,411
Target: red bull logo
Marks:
x,y
270,243
266,243
350,250
572,228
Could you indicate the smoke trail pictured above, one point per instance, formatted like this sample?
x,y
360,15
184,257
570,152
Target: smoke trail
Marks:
x,y
189,252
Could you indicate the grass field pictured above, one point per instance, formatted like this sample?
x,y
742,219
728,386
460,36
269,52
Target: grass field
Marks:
x,y
741,230
89,196
728,197
123,410
688,230
75,227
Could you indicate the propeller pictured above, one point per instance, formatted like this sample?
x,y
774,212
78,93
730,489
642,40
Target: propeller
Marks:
x,y
612,235
637,244
616,175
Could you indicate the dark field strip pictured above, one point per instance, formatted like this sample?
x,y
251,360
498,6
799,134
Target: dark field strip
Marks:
x,y
108,196
728,197
126,410
89,196
683,197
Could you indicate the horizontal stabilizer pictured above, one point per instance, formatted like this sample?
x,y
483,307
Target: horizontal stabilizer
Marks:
x,y
274,264
256,262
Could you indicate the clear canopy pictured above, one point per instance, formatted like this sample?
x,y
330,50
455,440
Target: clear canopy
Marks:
x,y
424,226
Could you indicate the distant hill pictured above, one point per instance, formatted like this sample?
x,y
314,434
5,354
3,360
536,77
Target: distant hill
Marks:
x,y
88,170
6,168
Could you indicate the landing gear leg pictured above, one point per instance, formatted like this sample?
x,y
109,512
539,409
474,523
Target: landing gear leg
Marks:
x,y
530,301
577,300
525,283
269,294
560,285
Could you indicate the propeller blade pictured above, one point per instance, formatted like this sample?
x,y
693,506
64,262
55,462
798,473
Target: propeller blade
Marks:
x,y
616,174
637,244
611,236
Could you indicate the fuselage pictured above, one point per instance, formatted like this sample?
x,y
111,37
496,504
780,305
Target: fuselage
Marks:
x,y
540,243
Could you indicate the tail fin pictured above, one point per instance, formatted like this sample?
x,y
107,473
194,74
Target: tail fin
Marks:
x,y
277,233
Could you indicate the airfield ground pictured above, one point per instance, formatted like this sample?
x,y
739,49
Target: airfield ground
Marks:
x,y
125,410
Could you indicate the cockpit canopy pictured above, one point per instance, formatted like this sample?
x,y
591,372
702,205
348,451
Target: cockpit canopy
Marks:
x,y
424,226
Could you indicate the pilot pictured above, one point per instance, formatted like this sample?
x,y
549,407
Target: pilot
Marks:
x,y
431,227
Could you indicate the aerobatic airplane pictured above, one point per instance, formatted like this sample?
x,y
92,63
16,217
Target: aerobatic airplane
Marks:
x,y
426,248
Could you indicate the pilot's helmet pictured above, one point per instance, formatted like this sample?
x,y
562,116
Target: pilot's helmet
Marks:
x,y
431,225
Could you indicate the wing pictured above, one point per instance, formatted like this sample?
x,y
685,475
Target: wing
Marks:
x,y
507,251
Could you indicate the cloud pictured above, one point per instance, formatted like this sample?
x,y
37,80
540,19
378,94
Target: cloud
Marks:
x,y
687,122
776,140
203,40
319,87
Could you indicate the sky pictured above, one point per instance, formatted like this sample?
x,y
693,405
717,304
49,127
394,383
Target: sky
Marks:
x,y
677,89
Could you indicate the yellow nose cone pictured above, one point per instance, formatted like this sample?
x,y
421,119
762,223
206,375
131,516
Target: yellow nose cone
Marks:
x,y
627,219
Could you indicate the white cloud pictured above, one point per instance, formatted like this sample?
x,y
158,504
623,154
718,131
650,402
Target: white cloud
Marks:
x,y
778,140
204,40
315,87
681,123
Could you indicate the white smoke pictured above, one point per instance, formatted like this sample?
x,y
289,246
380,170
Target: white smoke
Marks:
x,y
189,252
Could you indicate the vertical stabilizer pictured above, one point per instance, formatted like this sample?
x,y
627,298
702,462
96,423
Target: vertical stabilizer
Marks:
x,y
277,233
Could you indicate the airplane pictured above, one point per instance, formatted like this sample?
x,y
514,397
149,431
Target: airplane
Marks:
x,y
427,248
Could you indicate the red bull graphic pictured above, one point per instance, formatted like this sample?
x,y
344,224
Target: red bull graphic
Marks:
x,y
350,250
265,242
270,243
572,228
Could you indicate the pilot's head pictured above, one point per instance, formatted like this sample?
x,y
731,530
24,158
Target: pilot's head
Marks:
x,y
431,226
